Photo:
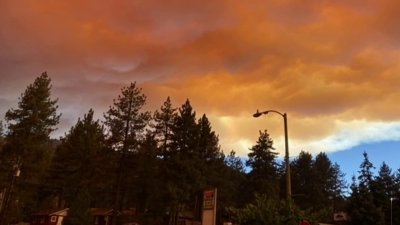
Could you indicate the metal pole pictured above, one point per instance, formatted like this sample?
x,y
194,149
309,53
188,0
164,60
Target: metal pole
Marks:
x,y
391,211
287,163
288,183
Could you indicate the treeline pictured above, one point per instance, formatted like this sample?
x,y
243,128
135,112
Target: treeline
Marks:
x,y
159,163
375,199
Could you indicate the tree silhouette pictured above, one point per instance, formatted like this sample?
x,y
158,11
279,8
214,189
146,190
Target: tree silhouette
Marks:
x,y
263,176
125,122
362,207
28,146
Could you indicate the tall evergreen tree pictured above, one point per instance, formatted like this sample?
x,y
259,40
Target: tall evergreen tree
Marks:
x,y
322,170
125,122
385,182
302,180
27,140
208,146
234,183
164,122
208,156
384,188
328,182
396,195
211,163
184,177
338,185
362,207
365,176
185,131
79,162
150,184
264,170
327,185
193,160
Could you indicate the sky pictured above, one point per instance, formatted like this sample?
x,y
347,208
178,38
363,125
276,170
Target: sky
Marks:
x,y
332,66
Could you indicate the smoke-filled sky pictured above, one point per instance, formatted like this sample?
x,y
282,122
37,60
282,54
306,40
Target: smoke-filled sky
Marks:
x,y
332,66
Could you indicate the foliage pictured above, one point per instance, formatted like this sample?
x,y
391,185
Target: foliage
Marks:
x,y
79,211
149,191
234,162
27,142
161,165
3,168
164,122
125,122
1,134
184,176
383,188
265,210
303,180
193,161
36,113
80,159
263,176
362,206
29,127
317,185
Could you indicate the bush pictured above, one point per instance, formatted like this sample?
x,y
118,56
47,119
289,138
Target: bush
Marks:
x,y
267,211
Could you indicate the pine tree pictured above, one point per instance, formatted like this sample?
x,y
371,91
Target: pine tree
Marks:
x,y
337,187
396,195
233,184
126,123
185,130
79,162
322,170
302,180
383,188
328,181
149,180
208,146
164,122
208,156
362,207
27,140
326,187
211,163
365,176
264,170
183,177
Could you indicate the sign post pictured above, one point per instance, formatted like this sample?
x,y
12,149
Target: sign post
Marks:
x,y
209,207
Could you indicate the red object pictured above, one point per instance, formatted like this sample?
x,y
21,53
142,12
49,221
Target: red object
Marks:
x,y
304,222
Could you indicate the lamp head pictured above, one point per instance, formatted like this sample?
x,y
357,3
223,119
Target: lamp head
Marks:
x,y
257,114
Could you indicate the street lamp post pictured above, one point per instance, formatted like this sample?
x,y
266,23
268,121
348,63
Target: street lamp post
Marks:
x,y
391,210
288,182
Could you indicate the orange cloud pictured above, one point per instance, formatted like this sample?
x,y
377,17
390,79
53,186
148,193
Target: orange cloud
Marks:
x,y
324,63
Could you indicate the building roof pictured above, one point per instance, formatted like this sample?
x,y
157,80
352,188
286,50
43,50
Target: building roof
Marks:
x,y
101,211
51,212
